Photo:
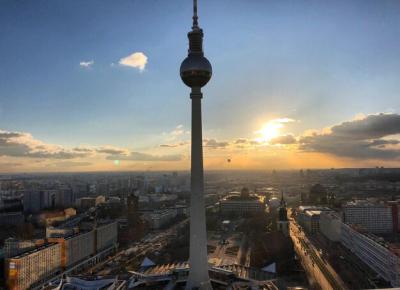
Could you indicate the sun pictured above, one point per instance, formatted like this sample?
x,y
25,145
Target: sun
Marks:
x,y
270,131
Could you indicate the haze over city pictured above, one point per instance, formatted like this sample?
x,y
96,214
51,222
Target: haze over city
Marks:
x,y
89,86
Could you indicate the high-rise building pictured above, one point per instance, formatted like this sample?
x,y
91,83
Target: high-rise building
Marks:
x,y
32,201
373,217
33,267
380,256
106,235
75,248
195,72
14,247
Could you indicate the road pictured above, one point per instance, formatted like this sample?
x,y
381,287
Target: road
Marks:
x,y
315,265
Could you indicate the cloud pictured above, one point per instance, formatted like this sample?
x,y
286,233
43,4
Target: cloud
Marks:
x,y
83,149
138,156
136,60
174,145
18,144
370,127
362,138
70,164
179,130
241,141
86,64
111,150
284,140
212,143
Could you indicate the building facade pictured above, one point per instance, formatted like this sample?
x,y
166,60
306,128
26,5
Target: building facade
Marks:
x,y
373,217
157,219
33,267
241,206
106,235
330,225
75,248
380,256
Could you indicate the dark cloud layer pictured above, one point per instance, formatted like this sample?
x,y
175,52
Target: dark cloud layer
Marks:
x,y
359,138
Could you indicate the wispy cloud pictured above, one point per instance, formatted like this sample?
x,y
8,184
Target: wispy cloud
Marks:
x,y
138,156
86,64
174,145
135,60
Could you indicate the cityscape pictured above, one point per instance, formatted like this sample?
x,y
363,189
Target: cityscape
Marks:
x,y
290,180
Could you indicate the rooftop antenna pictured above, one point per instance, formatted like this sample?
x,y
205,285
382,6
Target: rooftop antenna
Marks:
x,y
195,17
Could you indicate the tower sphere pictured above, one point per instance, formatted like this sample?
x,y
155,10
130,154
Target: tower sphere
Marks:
x,y
196,70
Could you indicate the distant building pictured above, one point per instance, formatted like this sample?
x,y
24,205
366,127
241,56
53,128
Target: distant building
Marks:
x,y
49,217
380,256
243,204
54,232
132,209
88,202
318,194
11,218
32,201
33,267
159,218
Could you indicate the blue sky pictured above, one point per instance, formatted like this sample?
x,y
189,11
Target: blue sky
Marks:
x,y
319,63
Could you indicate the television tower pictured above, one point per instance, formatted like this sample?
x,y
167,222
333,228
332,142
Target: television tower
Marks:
x,y
195,72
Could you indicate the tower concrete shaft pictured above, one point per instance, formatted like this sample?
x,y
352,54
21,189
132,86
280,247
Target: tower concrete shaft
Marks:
x,y
198,260
195,72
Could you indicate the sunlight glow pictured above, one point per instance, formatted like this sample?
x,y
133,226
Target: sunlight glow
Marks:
x,y
271,129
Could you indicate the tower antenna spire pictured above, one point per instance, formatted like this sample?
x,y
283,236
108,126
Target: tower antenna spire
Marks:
x,y
195,17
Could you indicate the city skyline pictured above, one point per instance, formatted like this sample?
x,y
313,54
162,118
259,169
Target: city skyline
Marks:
x,y
95,80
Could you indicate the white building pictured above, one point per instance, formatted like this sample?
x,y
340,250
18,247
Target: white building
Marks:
x,y
380,256
373,217
308,217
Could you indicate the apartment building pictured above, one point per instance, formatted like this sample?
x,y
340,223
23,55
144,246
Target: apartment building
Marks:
x,y
33,267
382,257
75,248
373,217
106,235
